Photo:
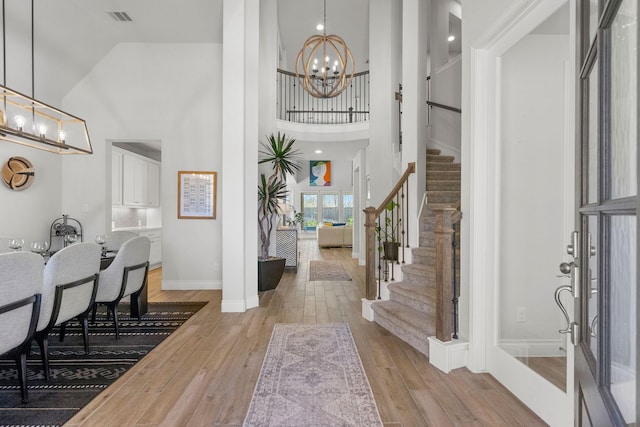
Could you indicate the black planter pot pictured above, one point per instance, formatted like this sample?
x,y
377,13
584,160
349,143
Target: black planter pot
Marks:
x,y
391,250
269,273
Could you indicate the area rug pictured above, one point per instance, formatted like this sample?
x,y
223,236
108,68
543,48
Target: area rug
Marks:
x,y
312,376
77,378
327,271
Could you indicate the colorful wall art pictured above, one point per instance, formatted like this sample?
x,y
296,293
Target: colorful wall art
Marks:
x,y
320,173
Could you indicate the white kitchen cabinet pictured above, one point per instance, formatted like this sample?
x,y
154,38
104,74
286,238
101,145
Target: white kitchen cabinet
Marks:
x,y
153,183
155,256
134,181
116,178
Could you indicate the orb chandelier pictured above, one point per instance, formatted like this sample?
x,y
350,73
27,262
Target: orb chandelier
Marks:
x,y
325,66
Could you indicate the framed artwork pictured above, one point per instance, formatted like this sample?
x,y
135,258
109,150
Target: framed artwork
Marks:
x,y
320,173
196,195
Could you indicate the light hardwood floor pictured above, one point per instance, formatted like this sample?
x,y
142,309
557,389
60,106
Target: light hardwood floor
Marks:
x,y
204,373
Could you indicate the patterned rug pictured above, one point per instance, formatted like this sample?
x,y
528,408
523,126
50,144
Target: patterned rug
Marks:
x,y
312,376
327,271
77,378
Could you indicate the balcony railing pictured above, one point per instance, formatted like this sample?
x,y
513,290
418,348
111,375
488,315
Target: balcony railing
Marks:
x,y
297,105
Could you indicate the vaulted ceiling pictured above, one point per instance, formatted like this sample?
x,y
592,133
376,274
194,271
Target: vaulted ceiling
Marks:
x,y
71,36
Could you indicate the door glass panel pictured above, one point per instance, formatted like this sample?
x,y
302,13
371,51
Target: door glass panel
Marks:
x,y
330,211
622,277
592,305
593,19
624,42
592,173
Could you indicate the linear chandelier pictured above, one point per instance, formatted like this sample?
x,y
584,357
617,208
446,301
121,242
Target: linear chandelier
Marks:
x,y
330,76
25,120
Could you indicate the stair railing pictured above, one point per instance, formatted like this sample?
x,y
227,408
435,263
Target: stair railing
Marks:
x,y
447,288
384,221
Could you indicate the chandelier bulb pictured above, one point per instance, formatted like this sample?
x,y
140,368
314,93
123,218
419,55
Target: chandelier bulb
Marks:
x,y
42,131
19,122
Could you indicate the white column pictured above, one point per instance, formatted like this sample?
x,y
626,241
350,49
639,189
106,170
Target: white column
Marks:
x,y
414,117
239,154
385,46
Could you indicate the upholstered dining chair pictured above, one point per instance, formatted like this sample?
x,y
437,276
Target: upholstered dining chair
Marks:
x,y
115,239
126,276
69,287
20,283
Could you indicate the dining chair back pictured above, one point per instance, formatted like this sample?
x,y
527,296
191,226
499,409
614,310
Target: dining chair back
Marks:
x,y
20,283
69,287
126,276
115,239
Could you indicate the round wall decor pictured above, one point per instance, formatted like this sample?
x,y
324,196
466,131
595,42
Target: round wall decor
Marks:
x,y
17,173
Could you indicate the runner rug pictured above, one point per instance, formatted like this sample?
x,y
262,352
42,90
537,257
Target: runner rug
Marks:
x,y
312,376
327,271
77,378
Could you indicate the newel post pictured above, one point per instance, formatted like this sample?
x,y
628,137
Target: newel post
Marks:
x,y
370,232
444,273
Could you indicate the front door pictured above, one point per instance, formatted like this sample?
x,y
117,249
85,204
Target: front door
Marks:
x,y
604,250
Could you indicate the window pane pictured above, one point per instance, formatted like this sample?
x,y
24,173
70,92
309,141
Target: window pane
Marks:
x,y
622,278
592,306
593,19
624,42
330,208
310,210
347,208
592,184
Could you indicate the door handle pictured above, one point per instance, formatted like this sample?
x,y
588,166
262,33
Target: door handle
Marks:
x,y
557,293
570,269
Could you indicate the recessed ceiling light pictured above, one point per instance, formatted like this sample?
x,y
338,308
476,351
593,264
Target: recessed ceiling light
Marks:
x,y
451,38
319,27
318,151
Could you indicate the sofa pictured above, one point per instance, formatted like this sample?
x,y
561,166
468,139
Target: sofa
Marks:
x,y
330,235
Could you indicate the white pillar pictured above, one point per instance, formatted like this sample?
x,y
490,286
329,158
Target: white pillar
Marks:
x,y
239,154
414,112
385,46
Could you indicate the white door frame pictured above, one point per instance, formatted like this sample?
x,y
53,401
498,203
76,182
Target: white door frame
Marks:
x,y
550,403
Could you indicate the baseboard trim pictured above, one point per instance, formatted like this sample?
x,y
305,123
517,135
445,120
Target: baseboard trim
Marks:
x,y
233,306
533,347
191,285
448,355
367,310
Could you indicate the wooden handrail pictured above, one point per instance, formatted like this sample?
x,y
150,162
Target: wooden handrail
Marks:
x,y
371,220
411,168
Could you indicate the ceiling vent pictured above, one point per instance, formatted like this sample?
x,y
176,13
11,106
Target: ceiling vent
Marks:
x,y
120,16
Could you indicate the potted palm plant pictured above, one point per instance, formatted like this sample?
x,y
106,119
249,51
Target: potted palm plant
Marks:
x,y
278,150
388,233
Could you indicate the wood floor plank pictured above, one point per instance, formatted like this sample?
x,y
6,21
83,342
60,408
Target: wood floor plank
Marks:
x,y
204,374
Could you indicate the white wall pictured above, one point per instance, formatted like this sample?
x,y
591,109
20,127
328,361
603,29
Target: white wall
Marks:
x,y
28,214
341,181
532,235
159,92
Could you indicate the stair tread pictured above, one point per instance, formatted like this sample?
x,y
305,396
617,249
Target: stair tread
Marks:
x,y
417,291
440,158
413,321
418,269
423,250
